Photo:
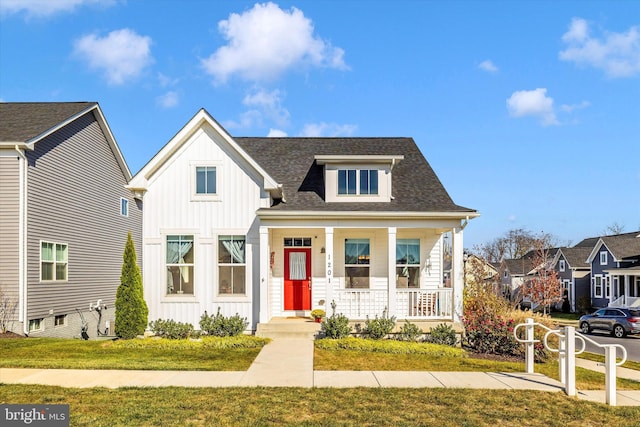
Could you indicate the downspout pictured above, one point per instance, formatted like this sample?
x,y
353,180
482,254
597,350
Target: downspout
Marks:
x,y
22,247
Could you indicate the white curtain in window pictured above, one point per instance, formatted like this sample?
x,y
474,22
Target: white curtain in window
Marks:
x,y
297,266
236,249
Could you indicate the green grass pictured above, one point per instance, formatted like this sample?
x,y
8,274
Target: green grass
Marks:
x,y
629,364
205,355
324,406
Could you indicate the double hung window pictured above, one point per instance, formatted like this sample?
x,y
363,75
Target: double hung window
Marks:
x,y
357,256
53,261
180,263
408,263
206,180
231,265
357,181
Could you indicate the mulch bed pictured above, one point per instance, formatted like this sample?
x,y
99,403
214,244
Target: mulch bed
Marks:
x,y
11,335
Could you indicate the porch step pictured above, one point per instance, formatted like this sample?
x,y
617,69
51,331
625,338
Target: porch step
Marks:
x,y
288,328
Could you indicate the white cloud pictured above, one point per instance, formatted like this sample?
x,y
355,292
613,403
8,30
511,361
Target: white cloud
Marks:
x,y
569,108
617,54
327,129
121,55
168,100
266,41
276,133
534,103
166,80
269,104
42,8
488,66
512,218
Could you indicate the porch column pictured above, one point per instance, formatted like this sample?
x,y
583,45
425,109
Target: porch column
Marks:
x,y
330,265
391,273
264,274
457,273
626,289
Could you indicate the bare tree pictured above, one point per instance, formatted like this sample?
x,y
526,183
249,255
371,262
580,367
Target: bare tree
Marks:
x,y
8,308
514,244
544,287
615,228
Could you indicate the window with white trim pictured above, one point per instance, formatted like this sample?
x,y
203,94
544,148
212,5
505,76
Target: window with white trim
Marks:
x,y
603,258
357,256
357,181
408,263
180,264
561,265
206,180
124,207
36,325
606,281
231,265
597,286
53,261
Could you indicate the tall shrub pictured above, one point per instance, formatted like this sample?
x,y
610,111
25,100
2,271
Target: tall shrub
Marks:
x,y
131,309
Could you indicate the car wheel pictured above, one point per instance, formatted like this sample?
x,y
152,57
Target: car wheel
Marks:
x,y
584,328
618,331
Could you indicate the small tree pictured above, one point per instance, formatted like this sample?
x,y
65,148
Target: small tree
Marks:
x,y
131,309
8,308
544,287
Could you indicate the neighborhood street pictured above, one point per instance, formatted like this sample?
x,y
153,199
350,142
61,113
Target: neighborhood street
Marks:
x,y
630,342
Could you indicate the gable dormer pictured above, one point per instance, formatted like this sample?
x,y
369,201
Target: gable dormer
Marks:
x,y
362,179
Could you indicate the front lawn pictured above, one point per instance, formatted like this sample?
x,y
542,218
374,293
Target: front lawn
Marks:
x,y
209,354
319,406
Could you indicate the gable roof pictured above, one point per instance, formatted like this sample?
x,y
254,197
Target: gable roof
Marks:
x,y
576,256
621,246
291,161
23,124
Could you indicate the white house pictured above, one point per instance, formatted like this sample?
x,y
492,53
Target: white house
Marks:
x,y
275,227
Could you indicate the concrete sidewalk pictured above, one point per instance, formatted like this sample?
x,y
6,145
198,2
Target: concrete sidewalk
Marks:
x,y
288,362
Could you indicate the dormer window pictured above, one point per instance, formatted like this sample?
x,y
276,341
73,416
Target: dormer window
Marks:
x,y
354,181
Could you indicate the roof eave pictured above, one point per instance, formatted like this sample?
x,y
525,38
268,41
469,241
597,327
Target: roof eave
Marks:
x,y
278,214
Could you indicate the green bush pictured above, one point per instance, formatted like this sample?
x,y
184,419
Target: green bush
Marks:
x,y
379,328
443,334
220,326
337,325
171,329
131,309
410,332
389,346
217,343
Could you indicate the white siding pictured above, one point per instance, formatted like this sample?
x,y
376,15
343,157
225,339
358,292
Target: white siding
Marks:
x,y
170,208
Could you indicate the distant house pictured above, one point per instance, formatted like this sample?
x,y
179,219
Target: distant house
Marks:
x,y
276,227
65,214
615,270
575,274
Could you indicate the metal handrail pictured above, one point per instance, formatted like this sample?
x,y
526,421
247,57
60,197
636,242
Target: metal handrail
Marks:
x,y
584,345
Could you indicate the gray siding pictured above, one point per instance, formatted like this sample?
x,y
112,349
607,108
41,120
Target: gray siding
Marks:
x,y
9,216
75,186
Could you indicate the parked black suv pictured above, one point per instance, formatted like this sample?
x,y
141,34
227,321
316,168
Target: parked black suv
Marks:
x,y
618,321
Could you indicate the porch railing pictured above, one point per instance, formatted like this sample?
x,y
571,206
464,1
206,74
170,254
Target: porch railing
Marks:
x,y
424,303
415,304
625,301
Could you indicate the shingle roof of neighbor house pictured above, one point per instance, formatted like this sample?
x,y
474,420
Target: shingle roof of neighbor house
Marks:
x,y
623,245
290,161
577,256
24,121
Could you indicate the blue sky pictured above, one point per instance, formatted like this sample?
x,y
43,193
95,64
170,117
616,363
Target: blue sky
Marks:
x,y
528,111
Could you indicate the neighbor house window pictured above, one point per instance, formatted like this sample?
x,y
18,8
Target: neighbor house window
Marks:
x,y
408,263
180,265
53,261
354,181
606,281
60,320
561,265
231,265
124,207
357,255
597,286
36,325
603,258
206,180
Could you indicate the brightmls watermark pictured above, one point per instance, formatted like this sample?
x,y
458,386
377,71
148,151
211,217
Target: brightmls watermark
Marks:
x,y
34,415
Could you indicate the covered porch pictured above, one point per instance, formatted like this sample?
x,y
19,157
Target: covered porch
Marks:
x,y
364,267
625,287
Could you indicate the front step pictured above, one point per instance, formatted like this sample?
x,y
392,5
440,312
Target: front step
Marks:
x,y
288,328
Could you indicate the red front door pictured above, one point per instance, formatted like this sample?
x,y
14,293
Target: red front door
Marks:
x,y
297,279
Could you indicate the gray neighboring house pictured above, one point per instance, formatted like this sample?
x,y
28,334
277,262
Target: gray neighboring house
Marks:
x,y
575,274
64,218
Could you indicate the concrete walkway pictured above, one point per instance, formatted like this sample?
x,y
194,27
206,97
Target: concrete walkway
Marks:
x,y
288,362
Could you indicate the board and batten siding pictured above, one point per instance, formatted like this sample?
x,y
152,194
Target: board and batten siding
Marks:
x,y
9,225
74,189
170,208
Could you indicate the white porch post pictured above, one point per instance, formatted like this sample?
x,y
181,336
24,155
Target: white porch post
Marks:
x,y
330,265
626,289
457,273
264,274
392,271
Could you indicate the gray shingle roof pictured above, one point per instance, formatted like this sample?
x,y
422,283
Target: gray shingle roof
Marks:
x,y
23,121
623,245
290,161
577,256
